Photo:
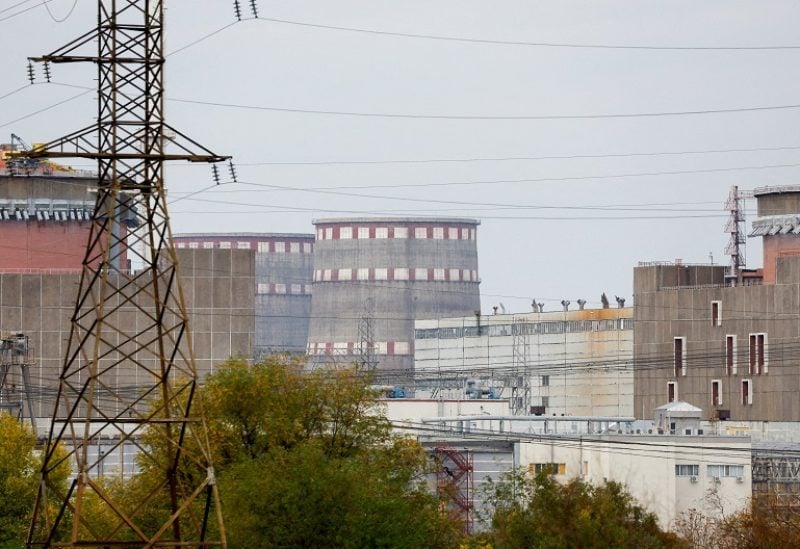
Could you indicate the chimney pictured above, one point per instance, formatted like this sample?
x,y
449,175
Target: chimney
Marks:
x,y
565,304
581,304
620,302
494,309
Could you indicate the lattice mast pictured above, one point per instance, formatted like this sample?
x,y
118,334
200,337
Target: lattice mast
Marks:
x,y
129,328
15,364
735,228
520,376
366,344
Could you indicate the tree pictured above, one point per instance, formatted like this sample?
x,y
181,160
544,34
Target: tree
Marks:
x,y
306,459
538,512
19,480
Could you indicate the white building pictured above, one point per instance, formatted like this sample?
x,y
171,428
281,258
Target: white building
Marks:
x,y
555,363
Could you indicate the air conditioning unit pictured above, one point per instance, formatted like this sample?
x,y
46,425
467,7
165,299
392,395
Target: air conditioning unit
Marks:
x,y
693,479
739,479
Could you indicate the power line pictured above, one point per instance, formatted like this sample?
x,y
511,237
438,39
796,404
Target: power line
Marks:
x,y
411,116
54,18
44,109
525,43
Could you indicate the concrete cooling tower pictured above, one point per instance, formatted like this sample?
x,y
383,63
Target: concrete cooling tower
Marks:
x,y
374,276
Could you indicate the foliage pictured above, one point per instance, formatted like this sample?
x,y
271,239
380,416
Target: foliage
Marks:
x,y
766,523
538,512
19,480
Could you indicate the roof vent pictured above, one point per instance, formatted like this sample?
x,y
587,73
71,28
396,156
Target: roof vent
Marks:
x,y
581,304
620,301
565,304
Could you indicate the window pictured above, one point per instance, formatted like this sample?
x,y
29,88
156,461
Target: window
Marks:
x,y
280,288
345,274
687,470
401,347
294,247
725,470
326,274
296,288
243,245
758,354
280,247
306,247
208,245
420,232
716,392
420,274
454,274
381,274
328,233
550,468
716,310
545,381
263,288
193,245
464,234
546,401
672,391
401,232
730,354
452,233
679,355
345,233
401,273
747,392
225,245
362,274
263,247
381,232
438,233
467,275
363,232
319,234
438,274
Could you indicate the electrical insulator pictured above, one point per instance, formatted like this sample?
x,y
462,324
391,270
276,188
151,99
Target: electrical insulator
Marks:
x,y
47,71
215,173
31,74
237,9
254,8
232,169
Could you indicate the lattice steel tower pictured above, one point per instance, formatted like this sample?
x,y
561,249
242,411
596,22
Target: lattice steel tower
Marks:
x,y
129,363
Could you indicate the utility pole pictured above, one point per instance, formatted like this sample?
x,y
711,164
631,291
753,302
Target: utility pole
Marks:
x,y
366,345
15,355
128,327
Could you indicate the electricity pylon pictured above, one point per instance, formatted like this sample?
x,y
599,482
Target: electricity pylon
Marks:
x,y
129,367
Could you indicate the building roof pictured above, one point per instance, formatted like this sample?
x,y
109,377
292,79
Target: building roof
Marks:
x,y
432,219
679,406
776,189
242,235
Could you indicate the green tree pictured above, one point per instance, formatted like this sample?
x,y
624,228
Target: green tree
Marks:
x,y
19,480
538,513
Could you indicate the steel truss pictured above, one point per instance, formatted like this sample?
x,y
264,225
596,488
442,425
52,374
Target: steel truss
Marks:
x,y
129,324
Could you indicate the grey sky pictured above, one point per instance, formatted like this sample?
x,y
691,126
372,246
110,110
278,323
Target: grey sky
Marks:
x,y
262,63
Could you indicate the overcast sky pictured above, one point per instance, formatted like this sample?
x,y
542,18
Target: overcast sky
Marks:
x,y
547,230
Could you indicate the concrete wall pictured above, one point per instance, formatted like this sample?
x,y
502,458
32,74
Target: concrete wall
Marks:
x,y
646,466
283,271
663,313
221,316
576,362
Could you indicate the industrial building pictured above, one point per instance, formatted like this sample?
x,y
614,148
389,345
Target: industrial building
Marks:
x,y
283,270
44,213
217,288
373,277
569,362
725,339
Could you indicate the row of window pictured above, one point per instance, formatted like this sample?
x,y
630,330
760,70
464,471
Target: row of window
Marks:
x,y
527,328
351,347
397,273
745,393
292,289
279,247
721,470
757,357
419,232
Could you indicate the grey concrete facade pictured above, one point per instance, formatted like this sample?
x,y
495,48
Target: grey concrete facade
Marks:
x,y
393,271
676,301
283,284
218,289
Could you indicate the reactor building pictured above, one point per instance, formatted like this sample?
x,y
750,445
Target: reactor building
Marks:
x,y
373,277
283,270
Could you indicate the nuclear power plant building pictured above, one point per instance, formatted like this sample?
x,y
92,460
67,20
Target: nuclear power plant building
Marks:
x,y
373,277
283,269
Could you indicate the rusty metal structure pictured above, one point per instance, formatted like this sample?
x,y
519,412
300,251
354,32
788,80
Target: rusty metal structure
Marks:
x,y
129,272
454,483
